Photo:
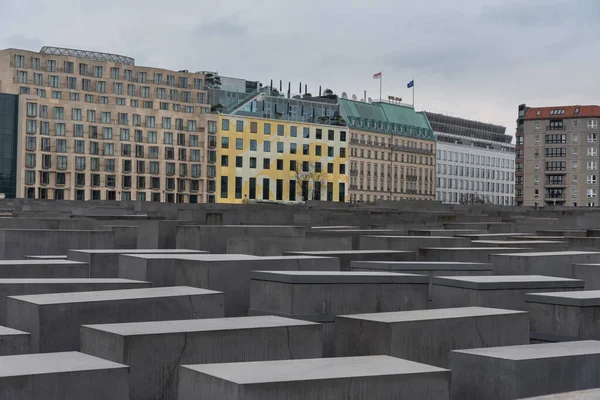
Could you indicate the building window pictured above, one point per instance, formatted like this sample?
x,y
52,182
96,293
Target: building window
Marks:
x,y
267,129
224,189
238,187
225,124
239,126
224,142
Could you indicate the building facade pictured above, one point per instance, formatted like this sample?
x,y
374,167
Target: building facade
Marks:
x,y
475,162
94,126
560,155
272,159
392,152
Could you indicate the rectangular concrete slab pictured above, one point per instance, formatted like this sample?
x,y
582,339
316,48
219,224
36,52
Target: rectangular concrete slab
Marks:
x,y
551,245
590,273
11,269
524,371
104,263
160,268
56,257
17,287
347,256
558,317
65,376
231,274
431,268
593,394
154,350
14,342
371,377
54,320
354,234
551,263
466,254
443,232
321,296
427,336
498,291
410,243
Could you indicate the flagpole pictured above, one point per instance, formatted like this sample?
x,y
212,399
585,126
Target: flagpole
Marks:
x,y
380,84
413,88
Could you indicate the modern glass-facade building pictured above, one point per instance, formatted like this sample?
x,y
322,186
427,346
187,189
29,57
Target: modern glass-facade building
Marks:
x,y
9,108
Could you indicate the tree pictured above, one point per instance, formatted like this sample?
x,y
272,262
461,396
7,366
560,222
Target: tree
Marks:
x,y
217,108
212,81
308,179
328,93
307,95
474,198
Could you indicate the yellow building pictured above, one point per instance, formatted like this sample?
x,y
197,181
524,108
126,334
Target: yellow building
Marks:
x,y
271,159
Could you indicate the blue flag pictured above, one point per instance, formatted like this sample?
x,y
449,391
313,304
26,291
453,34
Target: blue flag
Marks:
x,y
411,84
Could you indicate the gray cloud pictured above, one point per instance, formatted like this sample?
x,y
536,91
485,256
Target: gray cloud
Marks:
x,y
475,58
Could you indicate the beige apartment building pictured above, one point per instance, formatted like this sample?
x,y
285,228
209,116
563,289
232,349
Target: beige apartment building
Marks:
x,y
392,152
94,126
557,155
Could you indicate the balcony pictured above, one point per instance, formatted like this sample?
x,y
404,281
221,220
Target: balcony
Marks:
x,y
410,191
556,172
353,172
552,200
411,178
556,128
551,185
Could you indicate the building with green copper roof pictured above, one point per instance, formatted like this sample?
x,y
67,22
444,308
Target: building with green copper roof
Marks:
x,y
379,117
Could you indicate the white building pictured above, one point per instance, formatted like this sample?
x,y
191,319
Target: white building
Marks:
x,y
475,161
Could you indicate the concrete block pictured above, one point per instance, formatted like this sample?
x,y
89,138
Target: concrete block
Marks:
x,y
593,394
154,350
371,377
410,243
512,372
56,257
590,273
353,234
551,263
105,263
444,232
428,336
64,376
562,232
213,238
549,245
558,316
230,274
466,254
19,287
431,268
347,256
497,236
54,320
22,269
320,296
17,243
14,342
498,291
276,245
160,268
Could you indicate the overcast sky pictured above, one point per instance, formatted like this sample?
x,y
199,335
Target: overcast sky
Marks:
x,y
474,58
